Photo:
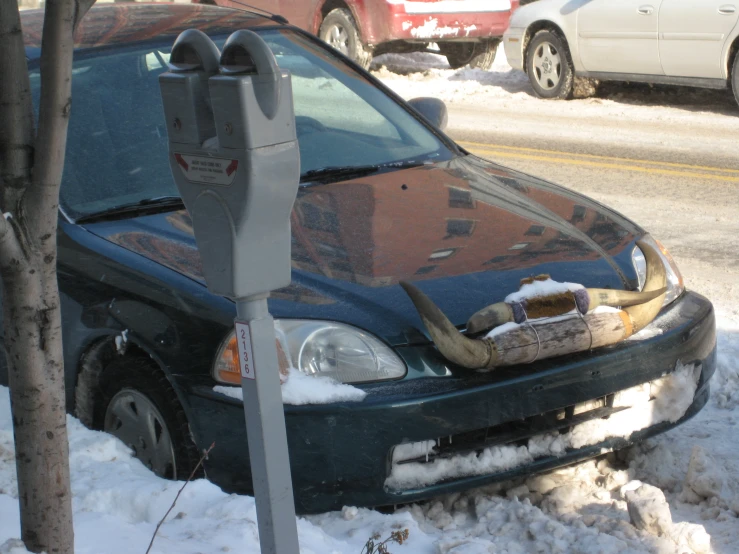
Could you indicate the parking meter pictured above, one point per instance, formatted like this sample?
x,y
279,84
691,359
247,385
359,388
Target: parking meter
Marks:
x,y
234,155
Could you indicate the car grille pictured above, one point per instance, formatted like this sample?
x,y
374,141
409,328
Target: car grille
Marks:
x,y
515,433
549,435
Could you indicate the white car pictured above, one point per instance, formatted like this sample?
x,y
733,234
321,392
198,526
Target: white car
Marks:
x,y
677,42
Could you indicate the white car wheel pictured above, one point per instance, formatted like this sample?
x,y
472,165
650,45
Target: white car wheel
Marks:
x,y
548,66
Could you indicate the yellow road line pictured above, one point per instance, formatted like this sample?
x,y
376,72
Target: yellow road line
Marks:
x,y
602,165
471,145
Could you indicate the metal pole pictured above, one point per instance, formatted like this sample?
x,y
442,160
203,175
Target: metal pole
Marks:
x,y
265,427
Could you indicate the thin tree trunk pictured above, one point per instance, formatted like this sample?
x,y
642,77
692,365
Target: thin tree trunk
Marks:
x,y
33,343
30,175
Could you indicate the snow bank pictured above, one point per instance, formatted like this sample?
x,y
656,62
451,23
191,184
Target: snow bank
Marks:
x,y
426,74
302,389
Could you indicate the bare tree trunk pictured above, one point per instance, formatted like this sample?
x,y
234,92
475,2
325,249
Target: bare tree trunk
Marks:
x,y
30,175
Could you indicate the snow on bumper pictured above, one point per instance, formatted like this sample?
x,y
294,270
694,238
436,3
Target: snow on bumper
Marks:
x,y
447,19
666,399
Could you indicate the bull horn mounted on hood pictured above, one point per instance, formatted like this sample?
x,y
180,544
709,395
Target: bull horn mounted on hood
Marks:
x,y
525,344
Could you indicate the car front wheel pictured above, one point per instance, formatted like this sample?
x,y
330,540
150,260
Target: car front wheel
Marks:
x,y
735,78
549,67
340,31
477,55
139,407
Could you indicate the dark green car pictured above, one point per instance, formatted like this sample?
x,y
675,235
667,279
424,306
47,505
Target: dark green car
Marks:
x,y
148,348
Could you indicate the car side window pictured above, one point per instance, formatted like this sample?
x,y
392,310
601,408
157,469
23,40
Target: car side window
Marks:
x,y
117,144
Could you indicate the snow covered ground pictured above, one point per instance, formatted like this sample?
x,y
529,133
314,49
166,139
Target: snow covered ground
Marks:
x,y
118,502
683,486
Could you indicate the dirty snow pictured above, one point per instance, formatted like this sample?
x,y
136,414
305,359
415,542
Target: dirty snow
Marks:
x,y
302,389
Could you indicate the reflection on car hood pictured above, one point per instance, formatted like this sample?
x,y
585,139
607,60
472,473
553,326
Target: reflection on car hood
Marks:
x,y
467,231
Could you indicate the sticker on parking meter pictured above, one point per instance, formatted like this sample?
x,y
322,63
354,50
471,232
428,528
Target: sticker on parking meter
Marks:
x,y
207,170
246,358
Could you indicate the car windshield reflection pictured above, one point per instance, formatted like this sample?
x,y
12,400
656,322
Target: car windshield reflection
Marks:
x,y
118,130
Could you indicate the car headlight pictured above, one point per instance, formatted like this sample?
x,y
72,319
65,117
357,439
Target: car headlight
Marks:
x,y
675,284
323,348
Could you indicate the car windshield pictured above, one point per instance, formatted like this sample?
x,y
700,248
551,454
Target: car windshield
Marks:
x,y
117,145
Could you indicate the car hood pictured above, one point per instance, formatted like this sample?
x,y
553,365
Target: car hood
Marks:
x,y
466,231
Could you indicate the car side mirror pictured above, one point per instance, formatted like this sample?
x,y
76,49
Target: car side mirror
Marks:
x,y
432,109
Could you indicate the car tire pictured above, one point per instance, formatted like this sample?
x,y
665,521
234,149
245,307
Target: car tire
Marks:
x,y
735,77
138,405
477,55
340,31
549,66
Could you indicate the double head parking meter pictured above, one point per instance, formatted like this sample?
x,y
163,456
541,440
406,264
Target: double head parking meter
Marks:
x,y
234,155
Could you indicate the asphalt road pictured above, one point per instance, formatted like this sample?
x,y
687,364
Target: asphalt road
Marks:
x,y
681,184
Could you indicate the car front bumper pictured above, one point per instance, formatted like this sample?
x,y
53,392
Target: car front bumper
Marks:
x,y
342,454
513,44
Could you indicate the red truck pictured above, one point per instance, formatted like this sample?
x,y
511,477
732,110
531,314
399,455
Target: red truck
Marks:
x,y
467,32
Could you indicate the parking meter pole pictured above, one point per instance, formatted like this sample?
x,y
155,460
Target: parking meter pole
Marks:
x,y
234,155
265,425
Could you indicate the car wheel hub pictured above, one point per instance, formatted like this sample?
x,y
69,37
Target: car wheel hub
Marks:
x,y
547,67
136,421
338,38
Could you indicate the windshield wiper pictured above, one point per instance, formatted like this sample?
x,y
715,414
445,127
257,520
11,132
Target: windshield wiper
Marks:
x,y
158,204
337,173
330,173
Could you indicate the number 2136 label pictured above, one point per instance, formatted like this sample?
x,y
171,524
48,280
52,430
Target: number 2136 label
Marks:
x,y
246,357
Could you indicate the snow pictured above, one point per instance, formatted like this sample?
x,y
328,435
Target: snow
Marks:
x,y
121,341
406,74
500,329
537,289
302,389
648,510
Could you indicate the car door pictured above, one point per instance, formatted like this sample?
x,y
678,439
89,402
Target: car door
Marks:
x,y
692,35
619,36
